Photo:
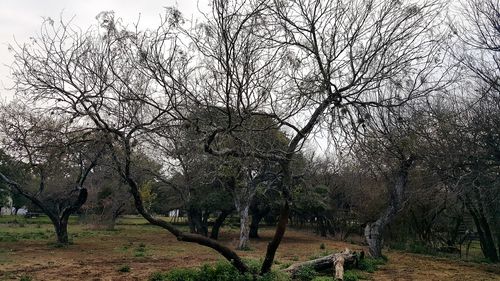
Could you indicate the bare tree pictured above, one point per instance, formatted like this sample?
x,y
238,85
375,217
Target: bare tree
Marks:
x,y
389,146
297,63
332,57
56,156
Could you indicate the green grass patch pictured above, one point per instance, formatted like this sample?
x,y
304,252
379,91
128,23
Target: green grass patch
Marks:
x,y
220,271
140,251
371,264
306,273
11,236
26,278
42,219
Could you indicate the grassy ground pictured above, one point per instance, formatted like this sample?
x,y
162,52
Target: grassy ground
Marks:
x,y
27,250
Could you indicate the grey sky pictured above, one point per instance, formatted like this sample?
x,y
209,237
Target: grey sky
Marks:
x,y
21,19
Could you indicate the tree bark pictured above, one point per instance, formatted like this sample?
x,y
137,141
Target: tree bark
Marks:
x,y
278,236
374,231
243,243
257,216
61,229
196,222
214,234
373,236
483,230
254,228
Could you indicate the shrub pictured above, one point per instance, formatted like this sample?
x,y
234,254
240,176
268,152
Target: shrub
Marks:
x,y
370,264
221,271
306,273
26,278
140,251
351,276
420,248
322,246
124,268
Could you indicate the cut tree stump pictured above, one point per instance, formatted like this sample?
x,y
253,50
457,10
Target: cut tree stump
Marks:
x,y
336,261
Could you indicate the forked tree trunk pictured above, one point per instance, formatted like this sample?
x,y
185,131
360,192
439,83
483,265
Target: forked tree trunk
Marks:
x,y
60,221
486,240
374,231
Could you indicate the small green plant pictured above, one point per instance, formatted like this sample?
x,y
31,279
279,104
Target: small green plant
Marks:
x,y
322,246
124,268
139,254
351,276
295,258
25,278
285,265
221,271
323,278
157,276
140,251
246,248
420,248
306,273
370,264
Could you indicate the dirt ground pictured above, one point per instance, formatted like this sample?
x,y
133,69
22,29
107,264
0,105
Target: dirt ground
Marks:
x,y
98,255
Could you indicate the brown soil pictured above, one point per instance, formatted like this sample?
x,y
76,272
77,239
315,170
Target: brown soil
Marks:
x,y
99,256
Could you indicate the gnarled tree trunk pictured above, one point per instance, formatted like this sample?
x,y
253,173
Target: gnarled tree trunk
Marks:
x,y
374,231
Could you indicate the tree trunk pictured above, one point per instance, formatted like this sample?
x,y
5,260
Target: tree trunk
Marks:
x,y
278,236
373,236
243,243
374,231
484,232
257,216
336,261
61,229
254,228
214,234
322,226
489,242
196,222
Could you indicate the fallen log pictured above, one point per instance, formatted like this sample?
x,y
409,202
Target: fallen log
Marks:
x,y
336,261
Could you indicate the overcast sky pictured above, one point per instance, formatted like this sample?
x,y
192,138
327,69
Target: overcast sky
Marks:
x,y
20,19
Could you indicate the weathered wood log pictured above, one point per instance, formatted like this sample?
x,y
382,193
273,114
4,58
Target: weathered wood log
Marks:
x,y
336,261
339,268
